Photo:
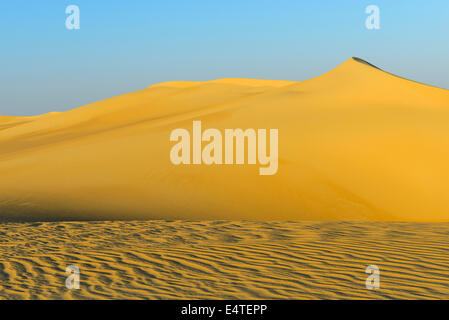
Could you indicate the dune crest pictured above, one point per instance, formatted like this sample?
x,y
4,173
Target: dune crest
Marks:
x,y
355,143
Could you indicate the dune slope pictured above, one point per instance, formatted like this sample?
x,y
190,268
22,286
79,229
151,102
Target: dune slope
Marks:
x,y
356,143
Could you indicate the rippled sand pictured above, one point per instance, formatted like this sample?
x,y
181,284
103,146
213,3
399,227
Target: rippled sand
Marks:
x,y
223,260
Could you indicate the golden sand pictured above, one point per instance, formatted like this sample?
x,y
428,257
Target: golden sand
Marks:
x,y
224,260
356,143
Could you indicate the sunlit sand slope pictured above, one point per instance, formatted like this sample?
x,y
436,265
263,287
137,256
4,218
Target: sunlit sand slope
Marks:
x,y
356,143
224,260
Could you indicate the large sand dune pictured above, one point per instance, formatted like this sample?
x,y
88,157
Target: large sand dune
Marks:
x,y
356,143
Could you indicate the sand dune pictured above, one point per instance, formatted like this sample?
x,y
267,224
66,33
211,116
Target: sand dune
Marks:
x,y
356,143
223,260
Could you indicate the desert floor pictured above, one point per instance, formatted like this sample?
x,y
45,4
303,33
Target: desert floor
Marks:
x,y
223,259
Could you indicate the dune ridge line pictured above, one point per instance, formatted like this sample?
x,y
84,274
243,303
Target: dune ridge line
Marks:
x,y
356,143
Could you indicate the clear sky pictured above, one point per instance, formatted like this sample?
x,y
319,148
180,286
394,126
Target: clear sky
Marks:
x,y
124,46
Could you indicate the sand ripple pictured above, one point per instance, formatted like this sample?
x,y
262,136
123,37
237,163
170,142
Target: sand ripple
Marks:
x,y
223,259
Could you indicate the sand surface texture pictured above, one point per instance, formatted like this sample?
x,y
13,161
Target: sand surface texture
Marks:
x,y
223,260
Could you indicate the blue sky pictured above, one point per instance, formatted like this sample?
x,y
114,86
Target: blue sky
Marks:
x,y
124,46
